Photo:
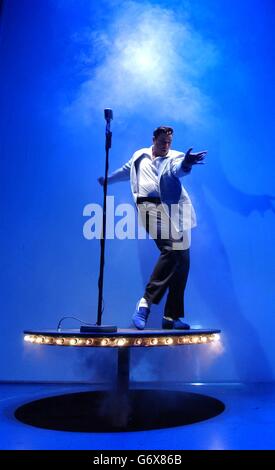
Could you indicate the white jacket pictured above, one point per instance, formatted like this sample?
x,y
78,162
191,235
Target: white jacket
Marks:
x,y
172,194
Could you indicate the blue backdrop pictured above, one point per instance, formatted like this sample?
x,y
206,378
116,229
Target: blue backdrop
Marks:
x,y
207,69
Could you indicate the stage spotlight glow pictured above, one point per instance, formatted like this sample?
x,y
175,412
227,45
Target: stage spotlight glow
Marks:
x,y
147,59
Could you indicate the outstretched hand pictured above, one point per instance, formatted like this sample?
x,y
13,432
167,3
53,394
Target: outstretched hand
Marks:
x,y
194,158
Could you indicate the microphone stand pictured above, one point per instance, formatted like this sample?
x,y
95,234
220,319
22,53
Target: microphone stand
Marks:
x,y
98,327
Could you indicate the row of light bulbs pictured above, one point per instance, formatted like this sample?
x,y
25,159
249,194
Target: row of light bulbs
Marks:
x,y
120,342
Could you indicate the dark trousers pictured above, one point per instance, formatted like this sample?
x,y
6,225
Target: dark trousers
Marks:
x,y
170,273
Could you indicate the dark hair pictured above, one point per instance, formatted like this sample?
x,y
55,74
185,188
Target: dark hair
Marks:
x,y
162,130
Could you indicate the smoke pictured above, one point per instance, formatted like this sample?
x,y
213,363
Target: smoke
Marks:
x,y
146,60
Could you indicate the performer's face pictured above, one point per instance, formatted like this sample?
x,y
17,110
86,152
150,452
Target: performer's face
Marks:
x,y
162,144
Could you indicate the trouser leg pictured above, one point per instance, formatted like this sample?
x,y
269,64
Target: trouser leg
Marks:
x,y
174,306
163,273
170,272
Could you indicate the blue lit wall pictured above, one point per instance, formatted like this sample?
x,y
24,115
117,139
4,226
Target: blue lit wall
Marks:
x,y
206,67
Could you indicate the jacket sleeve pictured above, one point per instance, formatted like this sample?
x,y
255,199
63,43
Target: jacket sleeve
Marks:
x,y
121,174
177,166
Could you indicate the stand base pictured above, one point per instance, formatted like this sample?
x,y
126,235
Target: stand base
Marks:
x,y
98,329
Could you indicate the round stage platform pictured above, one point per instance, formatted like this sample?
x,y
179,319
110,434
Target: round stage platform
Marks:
x,y
120,408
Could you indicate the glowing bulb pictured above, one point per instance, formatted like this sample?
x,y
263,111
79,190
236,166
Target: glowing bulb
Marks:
x,y
104,342
169,341
121,341
154,341
216,337
60,341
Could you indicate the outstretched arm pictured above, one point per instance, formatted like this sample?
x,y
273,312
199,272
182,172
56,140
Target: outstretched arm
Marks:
x,y
121,174
184,165
191,159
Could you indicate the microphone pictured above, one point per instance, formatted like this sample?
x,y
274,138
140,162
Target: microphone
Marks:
x,y
108,114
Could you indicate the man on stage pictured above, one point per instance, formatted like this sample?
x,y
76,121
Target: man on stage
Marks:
x,y
166,212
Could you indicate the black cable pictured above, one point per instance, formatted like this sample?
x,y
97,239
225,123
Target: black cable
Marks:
x,y
73,318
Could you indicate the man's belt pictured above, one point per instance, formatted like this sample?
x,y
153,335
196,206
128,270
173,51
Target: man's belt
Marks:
x,y
155,200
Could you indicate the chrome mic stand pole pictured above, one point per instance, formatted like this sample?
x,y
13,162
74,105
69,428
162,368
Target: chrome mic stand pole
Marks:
x,y
108,114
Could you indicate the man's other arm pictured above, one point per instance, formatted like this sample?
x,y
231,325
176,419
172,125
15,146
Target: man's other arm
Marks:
x,y
121,174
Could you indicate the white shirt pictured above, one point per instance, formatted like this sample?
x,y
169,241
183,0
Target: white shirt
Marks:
x,y
147,176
